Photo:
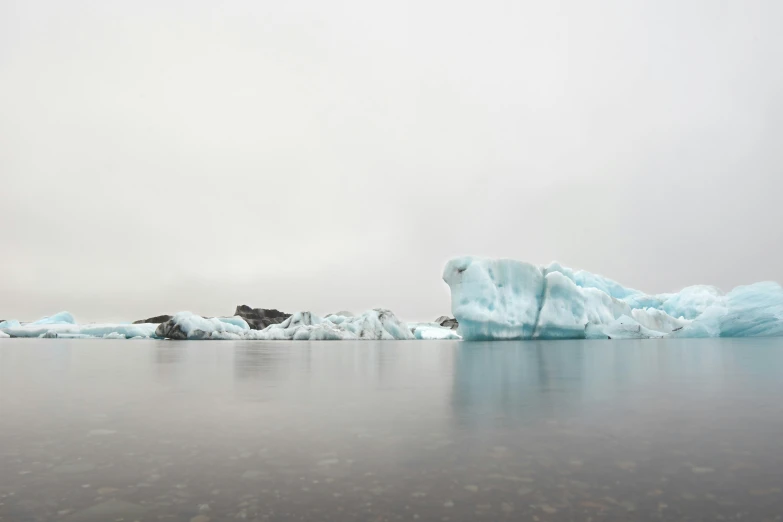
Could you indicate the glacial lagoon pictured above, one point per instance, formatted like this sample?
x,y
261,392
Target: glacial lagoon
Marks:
x,y
658,429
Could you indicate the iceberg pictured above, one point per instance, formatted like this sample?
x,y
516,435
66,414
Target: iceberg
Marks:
x,y
433,331
80,331
753,311
562,314
186,325
496,299
447,322
376,324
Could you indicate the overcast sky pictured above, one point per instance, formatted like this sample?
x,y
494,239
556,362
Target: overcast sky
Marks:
x,y
160,155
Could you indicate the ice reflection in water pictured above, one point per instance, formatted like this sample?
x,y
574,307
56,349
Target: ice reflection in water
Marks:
x,y
647,430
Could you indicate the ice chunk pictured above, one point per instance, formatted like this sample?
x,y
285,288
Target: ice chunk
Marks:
x,y
628,328
585,279
432,331
447,322
562,314
643,301
753,311
187,325
505,299
373,324
4,335
63,325
658,320
494,299
376,324
601,308
705,325
692,301
81,330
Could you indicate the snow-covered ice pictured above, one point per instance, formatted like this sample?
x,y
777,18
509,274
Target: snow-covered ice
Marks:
x,y
507,299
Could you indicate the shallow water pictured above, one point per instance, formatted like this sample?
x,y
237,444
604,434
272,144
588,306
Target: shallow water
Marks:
x,y
94,430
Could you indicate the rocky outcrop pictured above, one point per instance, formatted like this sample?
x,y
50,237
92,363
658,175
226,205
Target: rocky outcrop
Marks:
x,y
154,320
170,329
260,318
447,322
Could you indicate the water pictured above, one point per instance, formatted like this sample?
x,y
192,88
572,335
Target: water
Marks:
x,y
96,431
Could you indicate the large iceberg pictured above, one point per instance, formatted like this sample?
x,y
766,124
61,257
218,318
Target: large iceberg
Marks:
x,y
507,299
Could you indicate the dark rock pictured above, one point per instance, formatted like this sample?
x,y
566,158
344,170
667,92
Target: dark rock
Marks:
x,y
260,318
447,322
170,330
154,320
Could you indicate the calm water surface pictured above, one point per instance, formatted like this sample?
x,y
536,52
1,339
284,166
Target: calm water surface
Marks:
x,y
96,431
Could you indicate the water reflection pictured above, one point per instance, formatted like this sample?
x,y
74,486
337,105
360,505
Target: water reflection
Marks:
x,y
389,430
253,362
168,358
509,382
167,353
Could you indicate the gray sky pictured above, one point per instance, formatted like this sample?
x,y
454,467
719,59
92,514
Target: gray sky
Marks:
x,y
158,156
